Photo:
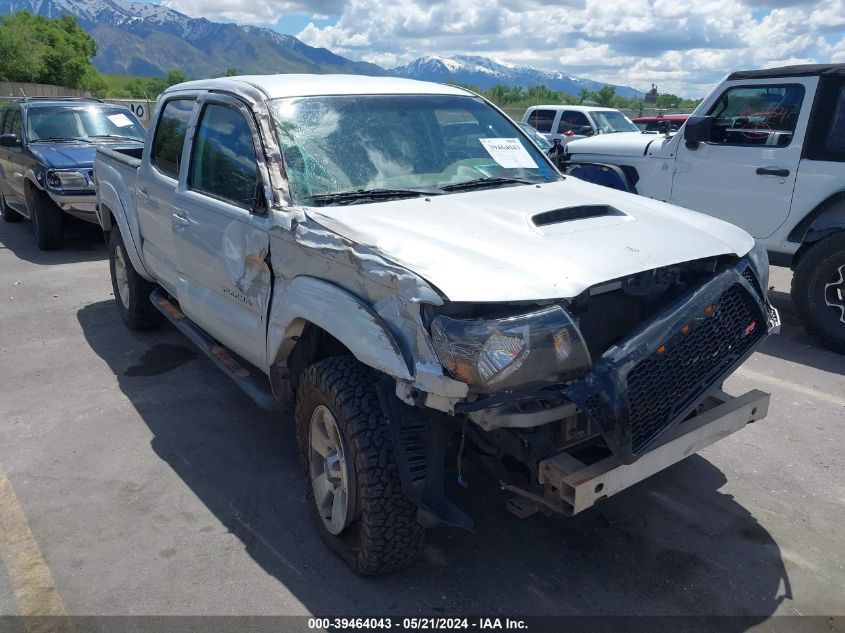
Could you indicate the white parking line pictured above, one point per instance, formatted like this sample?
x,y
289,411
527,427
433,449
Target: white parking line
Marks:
x,y
791,386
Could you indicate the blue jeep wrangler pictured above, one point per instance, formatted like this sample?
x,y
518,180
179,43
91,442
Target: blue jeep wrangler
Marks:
x,y
47,148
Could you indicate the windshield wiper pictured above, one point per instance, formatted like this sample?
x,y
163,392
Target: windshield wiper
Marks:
x,y
60,139
118,136
485,183
368,195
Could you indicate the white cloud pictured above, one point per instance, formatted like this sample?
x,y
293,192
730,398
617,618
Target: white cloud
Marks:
x,y
683,47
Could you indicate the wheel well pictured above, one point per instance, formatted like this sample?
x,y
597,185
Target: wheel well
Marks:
x,y
830,213
312,345
108,221
27,192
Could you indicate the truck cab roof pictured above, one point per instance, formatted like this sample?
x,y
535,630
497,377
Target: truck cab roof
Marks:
x,y
799,70
302,85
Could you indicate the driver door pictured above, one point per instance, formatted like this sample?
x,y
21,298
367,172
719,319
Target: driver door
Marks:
x,y
746,173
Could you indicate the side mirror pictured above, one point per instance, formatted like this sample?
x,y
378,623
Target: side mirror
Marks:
x,y
698,129
9,140
663,127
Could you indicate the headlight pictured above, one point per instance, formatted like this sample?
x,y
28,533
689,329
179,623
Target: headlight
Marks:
x,y
542,347
760,261
67,180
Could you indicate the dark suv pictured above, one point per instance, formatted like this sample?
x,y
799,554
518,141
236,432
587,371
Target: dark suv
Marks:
x,y
47,149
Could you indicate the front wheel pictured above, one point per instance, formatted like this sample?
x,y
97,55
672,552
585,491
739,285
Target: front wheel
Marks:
x,y
131,291
47,221
818,291
355,489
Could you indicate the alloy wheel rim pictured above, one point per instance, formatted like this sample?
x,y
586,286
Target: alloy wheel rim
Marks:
x,y
121,276
329,470
834,293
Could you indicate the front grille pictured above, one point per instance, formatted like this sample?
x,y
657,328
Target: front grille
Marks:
x,y
751,278
663,385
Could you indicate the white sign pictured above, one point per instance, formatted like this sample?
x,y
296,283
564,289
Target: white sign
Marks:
x,y
120,120
508,152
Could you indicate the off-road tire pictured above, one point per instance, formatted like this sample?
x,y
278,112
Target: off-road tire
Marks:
x,y
47,221
819,266
383,535
9,214
140,313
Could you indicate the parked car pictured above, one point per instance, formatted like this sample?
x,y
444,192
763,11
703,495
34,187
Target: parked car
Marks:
x,y
407,291
765,151
47,151
655,124
570,122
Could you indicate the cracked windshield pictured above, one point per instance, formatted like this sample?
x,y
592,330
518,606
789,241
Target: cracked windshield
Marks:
x,y
348,149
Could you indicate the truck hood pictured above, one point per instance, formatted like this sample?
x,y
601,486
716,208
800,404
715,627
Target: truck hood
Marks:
x,y
483,245
621,144
70,155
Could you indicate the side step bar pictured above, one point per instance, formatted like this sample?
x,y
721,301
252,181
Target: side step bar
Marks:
x,y
252,381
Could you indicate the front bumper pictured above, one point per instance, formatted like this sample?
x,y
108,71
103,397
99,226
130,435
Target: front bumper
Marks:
x,y
82,205
570,486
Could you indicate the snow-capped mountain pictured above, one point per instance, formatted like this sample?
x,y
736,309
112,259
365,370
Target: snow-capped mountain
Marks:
x,y
136,38
486,73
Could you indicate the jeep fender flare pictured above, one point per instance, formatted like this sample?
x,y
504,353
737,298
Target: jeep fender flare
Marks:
x,y
339,313
108,201
827,215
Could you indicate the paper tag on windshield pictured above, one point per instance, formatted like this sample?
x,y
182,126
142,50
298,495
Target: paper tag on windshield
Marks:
x,y
508,152
120,120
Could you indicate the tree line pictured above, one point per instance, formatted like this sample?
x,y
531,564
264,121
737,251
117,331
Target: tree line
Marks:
x,y
515,96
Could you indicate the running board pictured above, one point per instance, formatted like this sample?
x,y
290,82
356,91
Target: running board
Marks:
x,y
253,382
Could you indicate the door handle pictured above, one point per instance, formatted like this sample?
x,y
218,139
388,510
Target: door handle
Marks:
x,y
772,171
180,219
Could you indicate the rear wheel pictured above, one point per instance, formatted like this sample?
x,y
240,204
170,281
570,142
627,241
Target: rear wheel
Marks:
x,y
355,490
47,221
818,291
131,291
9,214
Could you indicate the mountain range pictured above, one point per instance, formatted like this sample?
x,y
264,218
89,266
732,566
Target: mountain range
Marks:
x,y
485,73
136,38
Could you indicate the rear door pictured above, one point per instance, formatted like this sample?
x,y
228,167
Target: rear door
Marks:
x,y
746,173
157,182
220,228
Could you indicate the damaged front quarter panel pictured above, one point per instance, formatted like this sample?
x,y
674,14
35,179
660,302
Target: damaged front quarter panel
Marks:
x,y
369,304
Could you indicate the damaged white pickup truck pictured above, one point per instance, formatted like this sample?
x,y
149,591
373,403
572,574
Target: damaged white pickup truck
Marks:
x,y
397,262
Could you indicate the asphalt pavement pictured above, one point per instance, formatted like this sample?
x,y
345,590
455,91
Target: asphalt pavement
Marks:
x,y
135,479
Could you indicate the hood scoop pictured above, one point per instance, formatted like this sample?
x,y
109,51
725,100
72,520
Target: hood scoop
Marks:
x,y
568,214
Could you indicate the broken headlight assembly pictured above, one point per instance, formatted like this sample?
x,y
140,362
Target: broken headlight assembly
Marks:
x,y
59,180
534,349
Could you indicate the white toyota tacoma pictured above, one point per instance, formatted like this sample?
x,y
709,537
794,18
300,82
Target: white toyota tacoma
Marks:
x,y
765,151
396,262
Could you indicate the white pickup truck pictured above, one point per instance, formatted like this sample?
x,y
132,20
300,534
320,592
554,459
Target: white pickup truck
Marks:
x,y
399,264
765,151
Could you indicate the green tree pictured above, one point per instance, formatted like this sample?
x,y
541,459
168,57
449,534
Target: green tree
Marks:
x,y
230,72
668,100
605,95
40,50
